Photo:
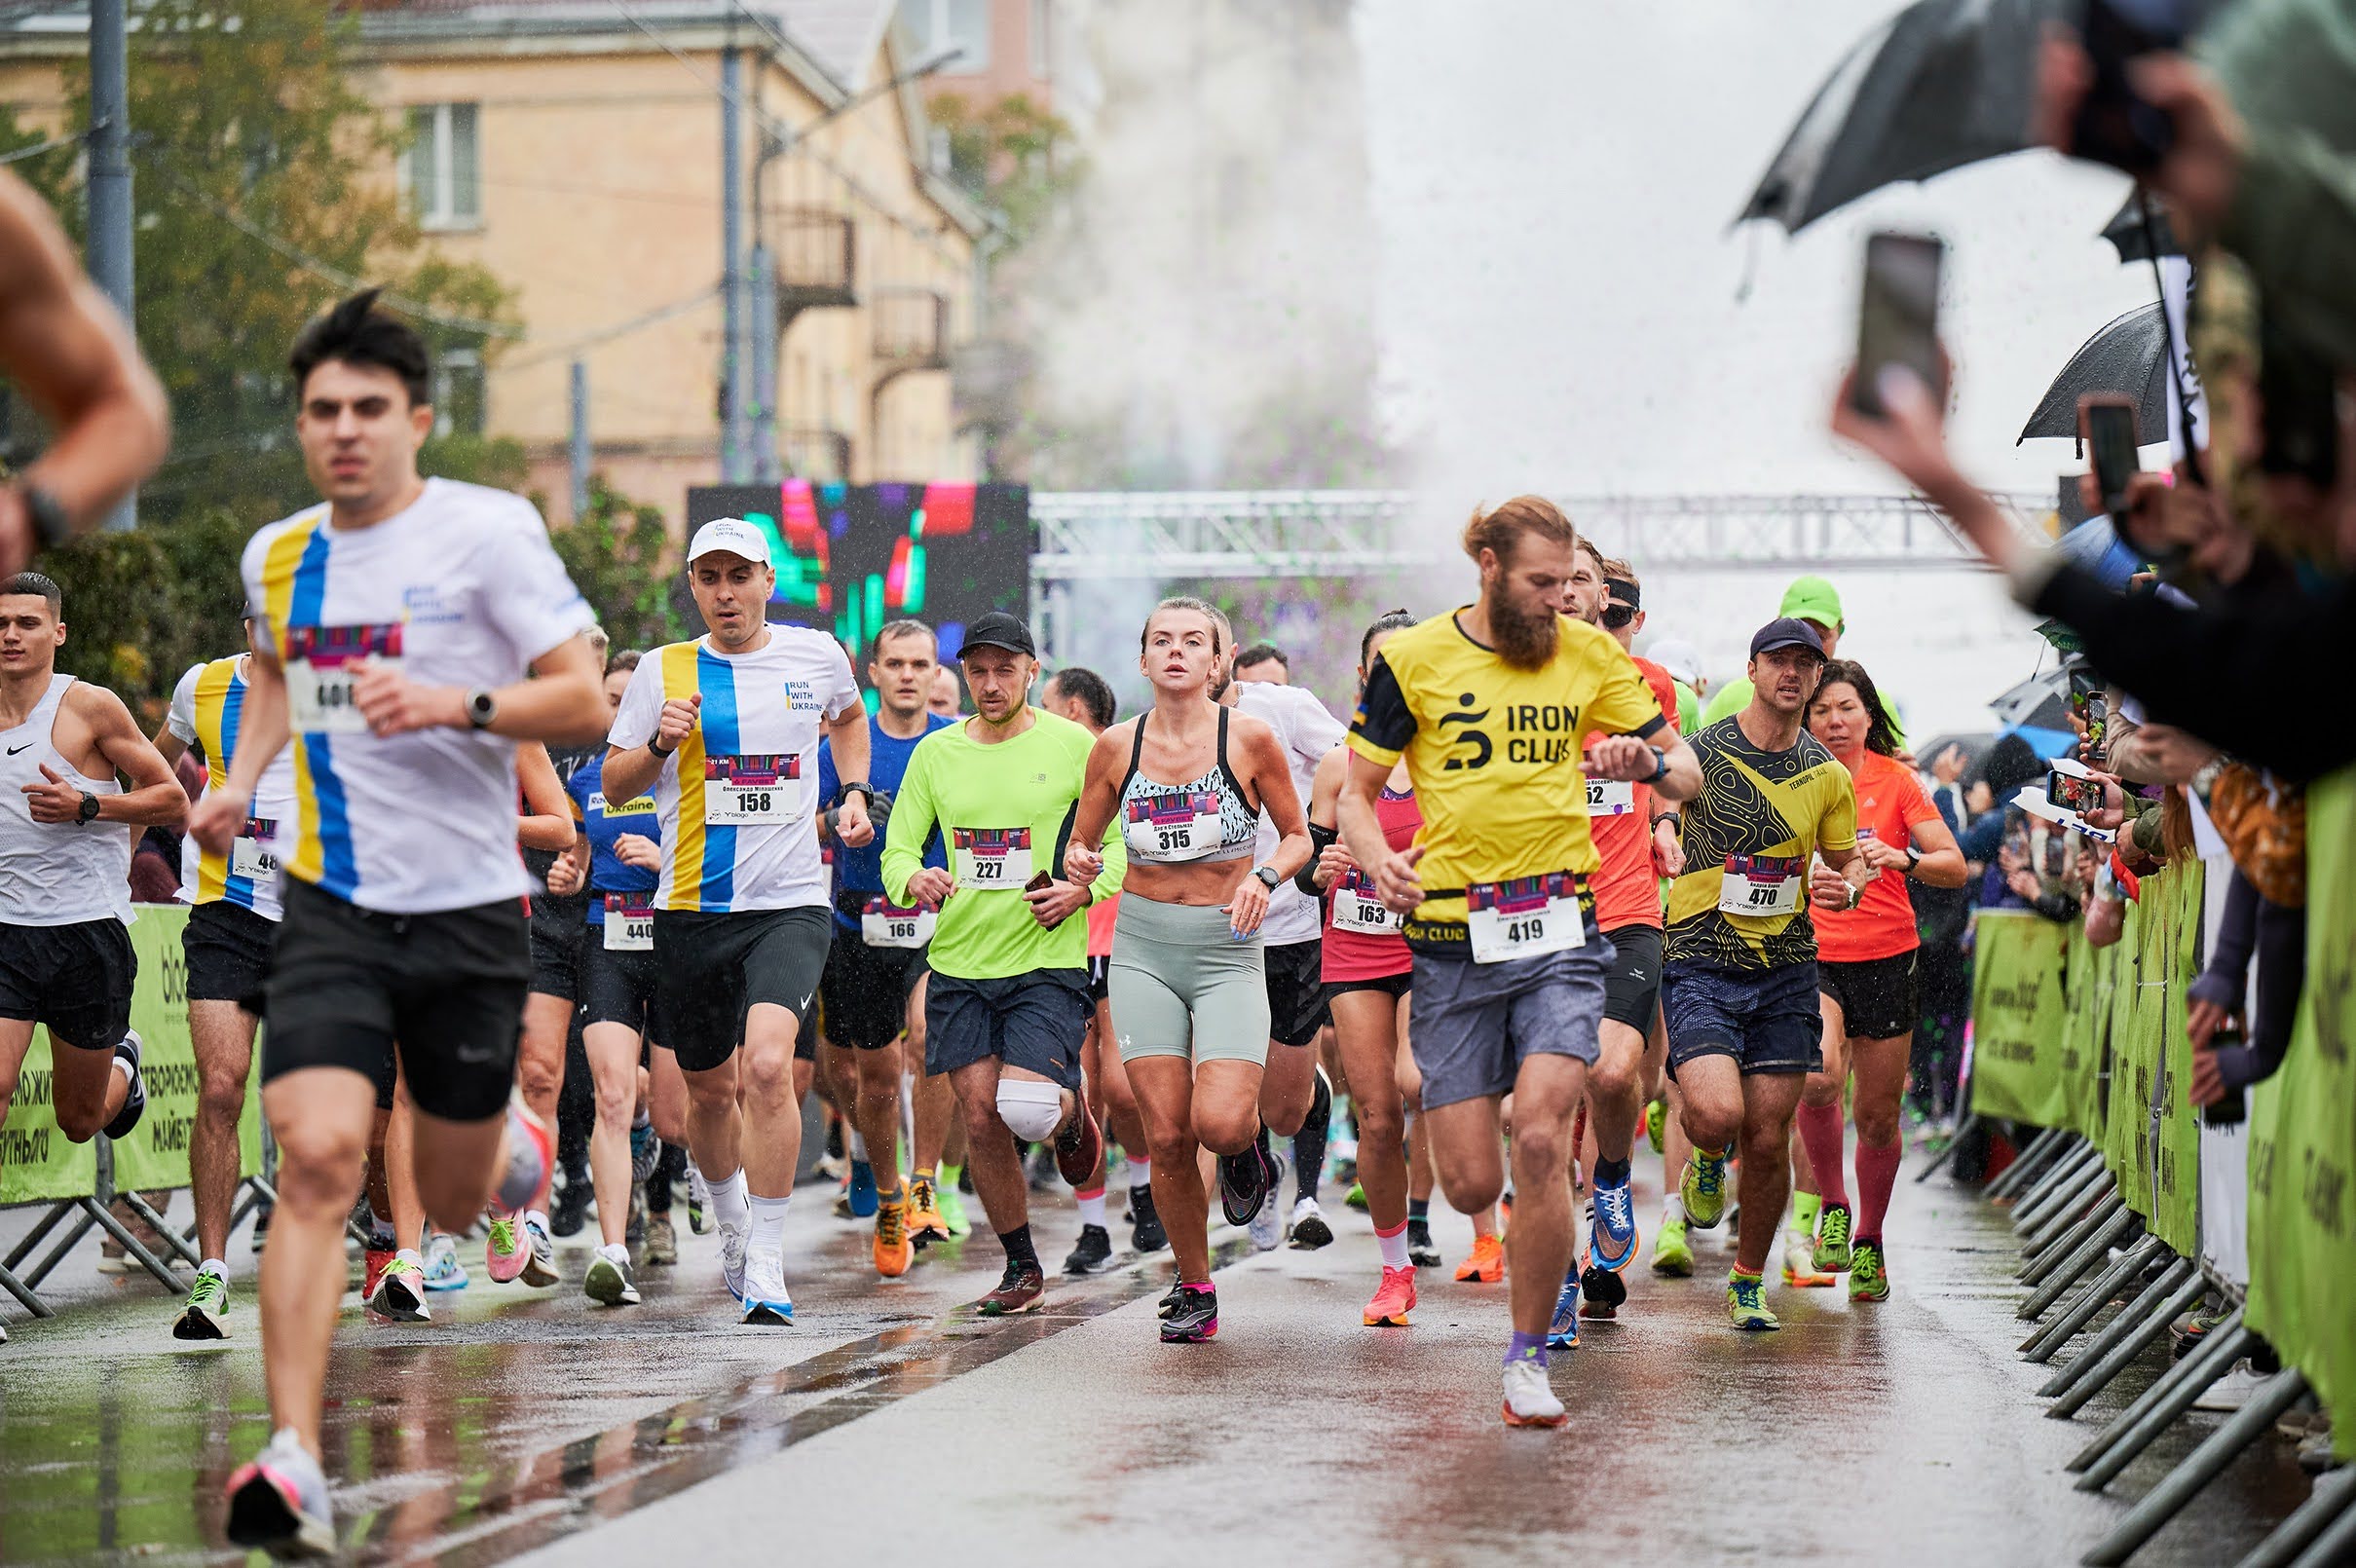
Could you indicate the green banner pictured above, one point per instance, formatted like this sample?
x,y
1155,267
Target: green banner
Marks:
x,y
2175,1217
2089,976
2302,1135
2123,1115
2017,1016
36,1162
156,1154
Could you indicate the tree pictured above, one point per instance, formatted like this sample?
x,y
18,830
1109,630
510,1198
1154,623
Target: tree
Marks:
x,y
141,606
1010,154
615,552
262,196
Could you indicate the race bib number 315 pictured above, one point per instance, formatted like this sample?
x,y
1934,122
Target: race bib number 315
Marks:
x,y
322,663
1171,825
761,790
990,857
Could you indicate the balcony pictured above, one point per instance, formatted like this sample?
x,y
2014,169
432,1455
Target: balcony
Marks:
x,y
911,330
817,261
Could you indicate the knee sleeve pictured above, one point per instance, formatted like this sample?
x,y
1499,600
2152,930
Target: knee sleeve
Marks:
x,y
1030,1111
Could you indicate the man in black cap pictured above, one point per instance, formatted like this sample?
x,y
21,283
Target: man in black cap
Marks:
x,y
1739,987
1009,999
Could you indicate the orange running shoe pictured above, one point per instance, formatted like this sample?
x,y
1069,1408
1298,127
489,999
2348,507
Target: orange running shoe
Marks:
x,y
1486,1265
925,1222
893,1251
1392,1299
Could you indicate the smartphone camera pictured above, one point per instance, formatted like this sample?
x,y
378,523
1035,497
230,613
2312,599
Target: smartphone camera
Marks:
x,y
1898,317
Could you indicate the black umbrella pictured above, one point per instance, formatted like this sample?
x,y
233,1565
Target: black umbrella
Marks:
x,y
2129,357
1942,84
2132,241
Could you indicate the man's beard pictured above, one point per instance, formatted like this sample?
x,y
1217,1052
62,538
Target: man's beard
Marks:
x,y
1525,639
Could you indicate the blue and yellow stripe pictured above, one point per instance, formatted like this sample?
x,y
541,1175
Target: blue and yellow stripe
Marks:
x,y
220,707
294,591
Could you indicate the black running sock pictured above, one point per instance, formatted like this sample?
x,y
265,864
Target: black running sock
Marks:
x,y
1610,1172
1419,1208
1309,1143
669,1165
1019,1250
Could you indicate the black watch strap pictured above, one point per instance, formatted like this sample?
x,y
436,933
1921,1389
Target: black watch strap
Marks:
x,y
52,525
655,746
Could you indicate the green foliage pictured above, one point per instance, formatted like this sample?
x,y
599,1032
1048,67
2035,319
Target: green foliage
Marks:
x,y
1011,154
143,607
615,552
247,112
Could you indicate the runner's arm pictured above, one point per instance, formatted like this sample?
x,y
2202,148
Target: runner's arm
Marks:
x,y
1272,781
1327,859
910,823
632,764
153,798
548,824
1092,816
168,746
847,736
1942,862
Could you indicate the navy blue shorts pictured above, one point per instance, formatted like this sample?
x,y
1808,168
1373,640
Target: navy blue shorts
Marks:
x,y
1034,1022
1769,1020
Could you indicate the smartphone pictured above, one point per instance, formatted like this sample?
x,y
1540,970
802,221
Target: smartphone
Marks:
x,y
2107,421
2114,124
1898,315
2098,726
2073,792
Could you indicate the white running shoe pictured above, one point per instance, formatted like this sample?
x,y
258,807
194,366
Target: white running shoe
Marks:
x,y
732,1261
610,1281
1267,1227
765,1299
1307,1230
1529,1398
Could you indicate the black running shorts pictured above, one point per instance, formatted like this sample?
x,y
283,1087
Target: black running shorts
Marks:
x,y
617,985
228,949
560,944
711,968
1632,988
448,987
1296,992
866,990
1879,997
76,979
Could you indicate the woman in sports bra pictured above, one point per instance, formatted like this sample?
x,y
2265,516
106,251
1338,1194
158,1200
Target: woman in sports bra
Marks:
x,y
1183,784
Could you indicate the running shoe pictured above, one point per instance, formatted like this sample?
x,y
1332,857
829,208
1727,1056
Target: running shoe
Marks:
x,y
732,1261
134,1102
504,1250
1656,1123
278,1502
1093,1253
1244,1180
1529,1398
539,1267
1702,1190
892,1250
1307,1231
400,1291
699,1201
1394,1299
373,1257
571,1209
662,1241
766,1302
1799,1268
1193,1315
260,1238
205,1314
634,1229
1484,1265
1562,1331
925,1224
1267,1227
1171,1299
1612,1235
1672,1252
1868,1273
610,1281
443,1271
1356,1197
1147,1234
645,1149
952,1203
1747,1304
1020,1289
1078,1145
1422,1251
1832,1240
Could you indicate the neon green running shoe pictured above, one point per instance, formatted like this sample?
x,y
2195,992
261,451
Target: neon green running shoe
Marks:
x,y
1703,1187
1832,1240
1672,1254
952,1205
1656,1123
1868,1276
1356,1197
1747,1304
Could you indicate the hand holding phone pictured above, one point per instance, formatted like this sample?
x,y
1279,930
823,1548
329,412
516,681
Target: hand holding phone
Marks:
x,y
1898,317
2106,423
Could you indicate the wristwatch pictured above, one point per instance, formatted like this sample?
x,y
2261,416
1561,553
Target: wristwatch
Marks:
x,y
1267,875
52,526
1914,860
481,707
867,796
1856,895
1659,766
88,810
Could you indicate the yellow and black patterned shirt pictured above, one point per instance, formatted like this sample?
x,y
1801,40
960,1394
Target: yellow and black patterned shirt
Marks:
x,y
1769,808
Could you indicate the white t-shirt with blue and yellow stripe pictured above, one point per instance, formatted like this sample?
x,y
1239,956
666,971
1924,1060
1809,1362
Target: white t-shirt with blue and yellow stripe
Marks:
x,y
207,708
739,799
462,590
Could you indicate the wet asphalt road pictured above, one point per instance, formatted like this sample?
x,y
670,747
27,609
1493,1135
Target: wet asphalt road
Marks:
x,y
524,1423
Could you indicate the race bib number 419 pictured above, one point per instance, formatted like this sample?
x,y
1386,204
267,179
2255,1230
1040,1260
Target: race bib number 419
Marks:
x,y
749,790
1529,918
990,857
322,663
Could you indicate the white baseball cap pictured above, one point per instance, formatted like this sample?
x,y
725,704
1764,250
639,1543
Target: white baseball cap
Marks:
x,y
1677,657
732,535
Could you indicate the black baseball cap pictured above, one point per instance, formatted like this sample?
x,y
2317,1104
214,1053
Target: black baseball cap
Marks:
x,y
1787,632
999,629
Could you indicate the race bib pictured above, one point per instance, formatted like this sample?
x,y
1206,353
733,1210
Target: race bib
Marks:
x,y
884,924
1762,884
1170,826
990,857
1526,918
1356,907
752,791
251,855
629,923
1610,796
322,662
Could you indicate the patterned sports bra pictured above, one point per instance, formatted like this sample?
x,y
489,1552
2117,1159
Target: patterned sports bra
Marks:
x,y
1173,824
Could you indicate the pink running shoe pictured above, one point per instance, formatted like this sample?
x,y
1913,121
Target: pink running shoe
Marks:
x,y
504,1250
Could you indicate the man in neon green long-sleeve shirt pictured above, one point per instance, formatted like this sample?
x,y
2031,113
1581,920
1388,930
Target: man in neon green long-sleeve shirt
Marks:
x,y
1008,1001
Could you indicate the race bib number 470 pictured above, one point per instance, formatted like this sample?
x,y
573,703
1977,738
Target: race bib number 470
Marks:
x,y
990,857
1761,885
752,790
322,664
1529,918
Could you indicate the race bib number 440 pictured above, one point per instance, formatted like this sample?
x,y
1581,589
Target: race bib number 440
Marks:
x,y
1529,918
253,853
629,923
1762,884
322,664
752,790
990,857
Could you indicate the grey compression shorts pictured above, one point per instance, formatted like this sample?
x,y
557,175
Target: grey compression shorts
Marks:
x,y
1183,987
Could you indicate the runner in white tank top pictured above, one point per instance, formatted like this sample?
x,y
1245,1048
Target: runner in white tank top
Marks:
x,y
66,826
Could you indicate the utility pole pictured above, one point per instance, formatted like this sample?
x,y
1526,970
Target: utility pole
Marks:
x,y
764,315
109,179
578,447
732,277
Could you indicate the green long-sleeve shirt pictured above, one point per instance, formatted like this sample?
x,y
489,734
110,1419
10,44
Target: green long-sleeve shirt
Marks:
x,y
1005,812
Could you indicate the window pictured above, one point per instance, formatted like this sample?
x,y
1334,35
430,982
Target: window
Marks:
x,y
442,169
458,393
939,26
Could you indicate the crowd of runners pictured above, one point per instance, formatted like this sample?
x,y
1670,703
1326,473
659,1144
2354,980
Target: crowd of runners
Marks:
x,y
1508,922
